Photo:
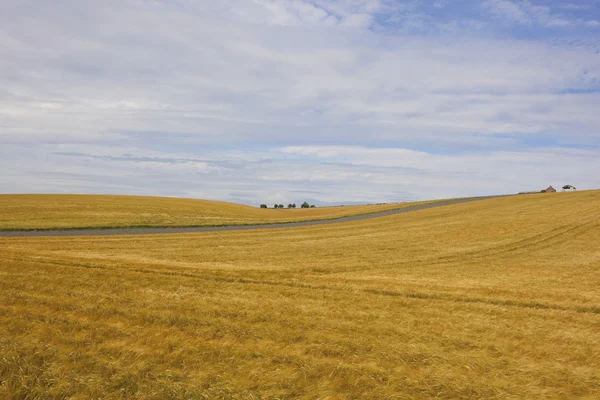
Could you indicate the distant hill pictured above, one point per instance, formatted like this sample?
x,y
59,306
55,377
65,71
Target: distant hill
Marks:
x,y
53,211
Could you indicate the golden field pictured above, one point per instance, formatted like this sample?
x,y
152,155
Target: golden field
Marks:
x,y
45,212
491,299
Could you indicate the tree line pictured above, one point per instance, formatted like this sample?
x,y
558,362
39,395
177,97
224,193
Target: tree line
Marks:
x,y
291,205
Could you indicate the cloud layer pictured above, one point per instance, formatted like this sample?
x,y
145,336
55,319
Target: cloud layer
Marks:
x,y
271,100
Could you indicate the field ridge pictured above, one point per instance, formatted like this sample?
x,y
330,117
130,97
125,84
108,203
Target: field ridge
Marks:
x,y
141,229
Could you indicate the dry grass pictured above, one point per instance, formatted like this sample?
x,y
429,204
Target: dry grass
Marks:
x,y
26,212
492,299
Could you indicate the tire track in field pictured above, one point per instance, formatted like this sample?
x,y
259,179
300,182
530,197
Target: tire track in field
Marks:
x,y
351,290
537,242
529,243
166,230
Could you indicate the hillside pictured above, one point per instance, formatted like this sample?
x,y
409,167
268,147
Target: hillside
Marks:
x,y
23,212
490,299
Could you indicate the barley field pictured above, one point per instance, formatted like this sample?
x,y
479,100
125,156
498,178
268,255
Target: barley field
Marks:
x,y
493,299
49,212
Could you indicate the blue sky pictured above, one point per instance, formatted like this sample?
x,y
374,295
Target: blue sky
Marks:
x,y
348,101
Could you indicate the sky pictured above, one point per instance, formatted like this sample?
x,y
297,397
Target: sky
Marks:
x,y
279,101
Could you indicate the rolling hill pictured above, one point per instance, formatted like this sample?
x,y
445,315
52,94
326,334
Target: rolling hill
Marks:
x,y
490,299
44,211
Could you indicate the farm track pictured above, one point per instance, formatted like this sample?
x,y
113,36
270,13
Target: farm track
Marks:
x,y
327,287
541,241
166,230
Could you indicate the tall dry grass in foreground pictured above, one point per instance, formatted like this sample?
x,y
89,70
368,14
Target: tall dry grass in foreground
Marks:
x,y
59,211
492,299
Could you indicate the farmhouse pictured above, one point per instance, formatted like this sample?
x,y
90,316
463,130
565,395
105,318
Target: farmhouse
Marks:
x,y
550,189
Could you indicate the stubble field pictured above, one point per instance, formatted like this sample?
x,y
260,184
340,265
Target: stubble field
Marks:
x,y
491,299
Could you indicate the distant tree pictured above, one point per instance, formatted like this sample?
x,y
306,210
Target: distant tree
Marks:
x,y
305,205
290,205
275,205
312,206
263,206
293,205
281,206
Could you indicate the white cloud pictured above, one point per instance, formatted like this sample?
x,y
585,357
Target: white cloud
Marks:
x,y
321,174
571,6
347,13
254,76
146,94
526,12
508,9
